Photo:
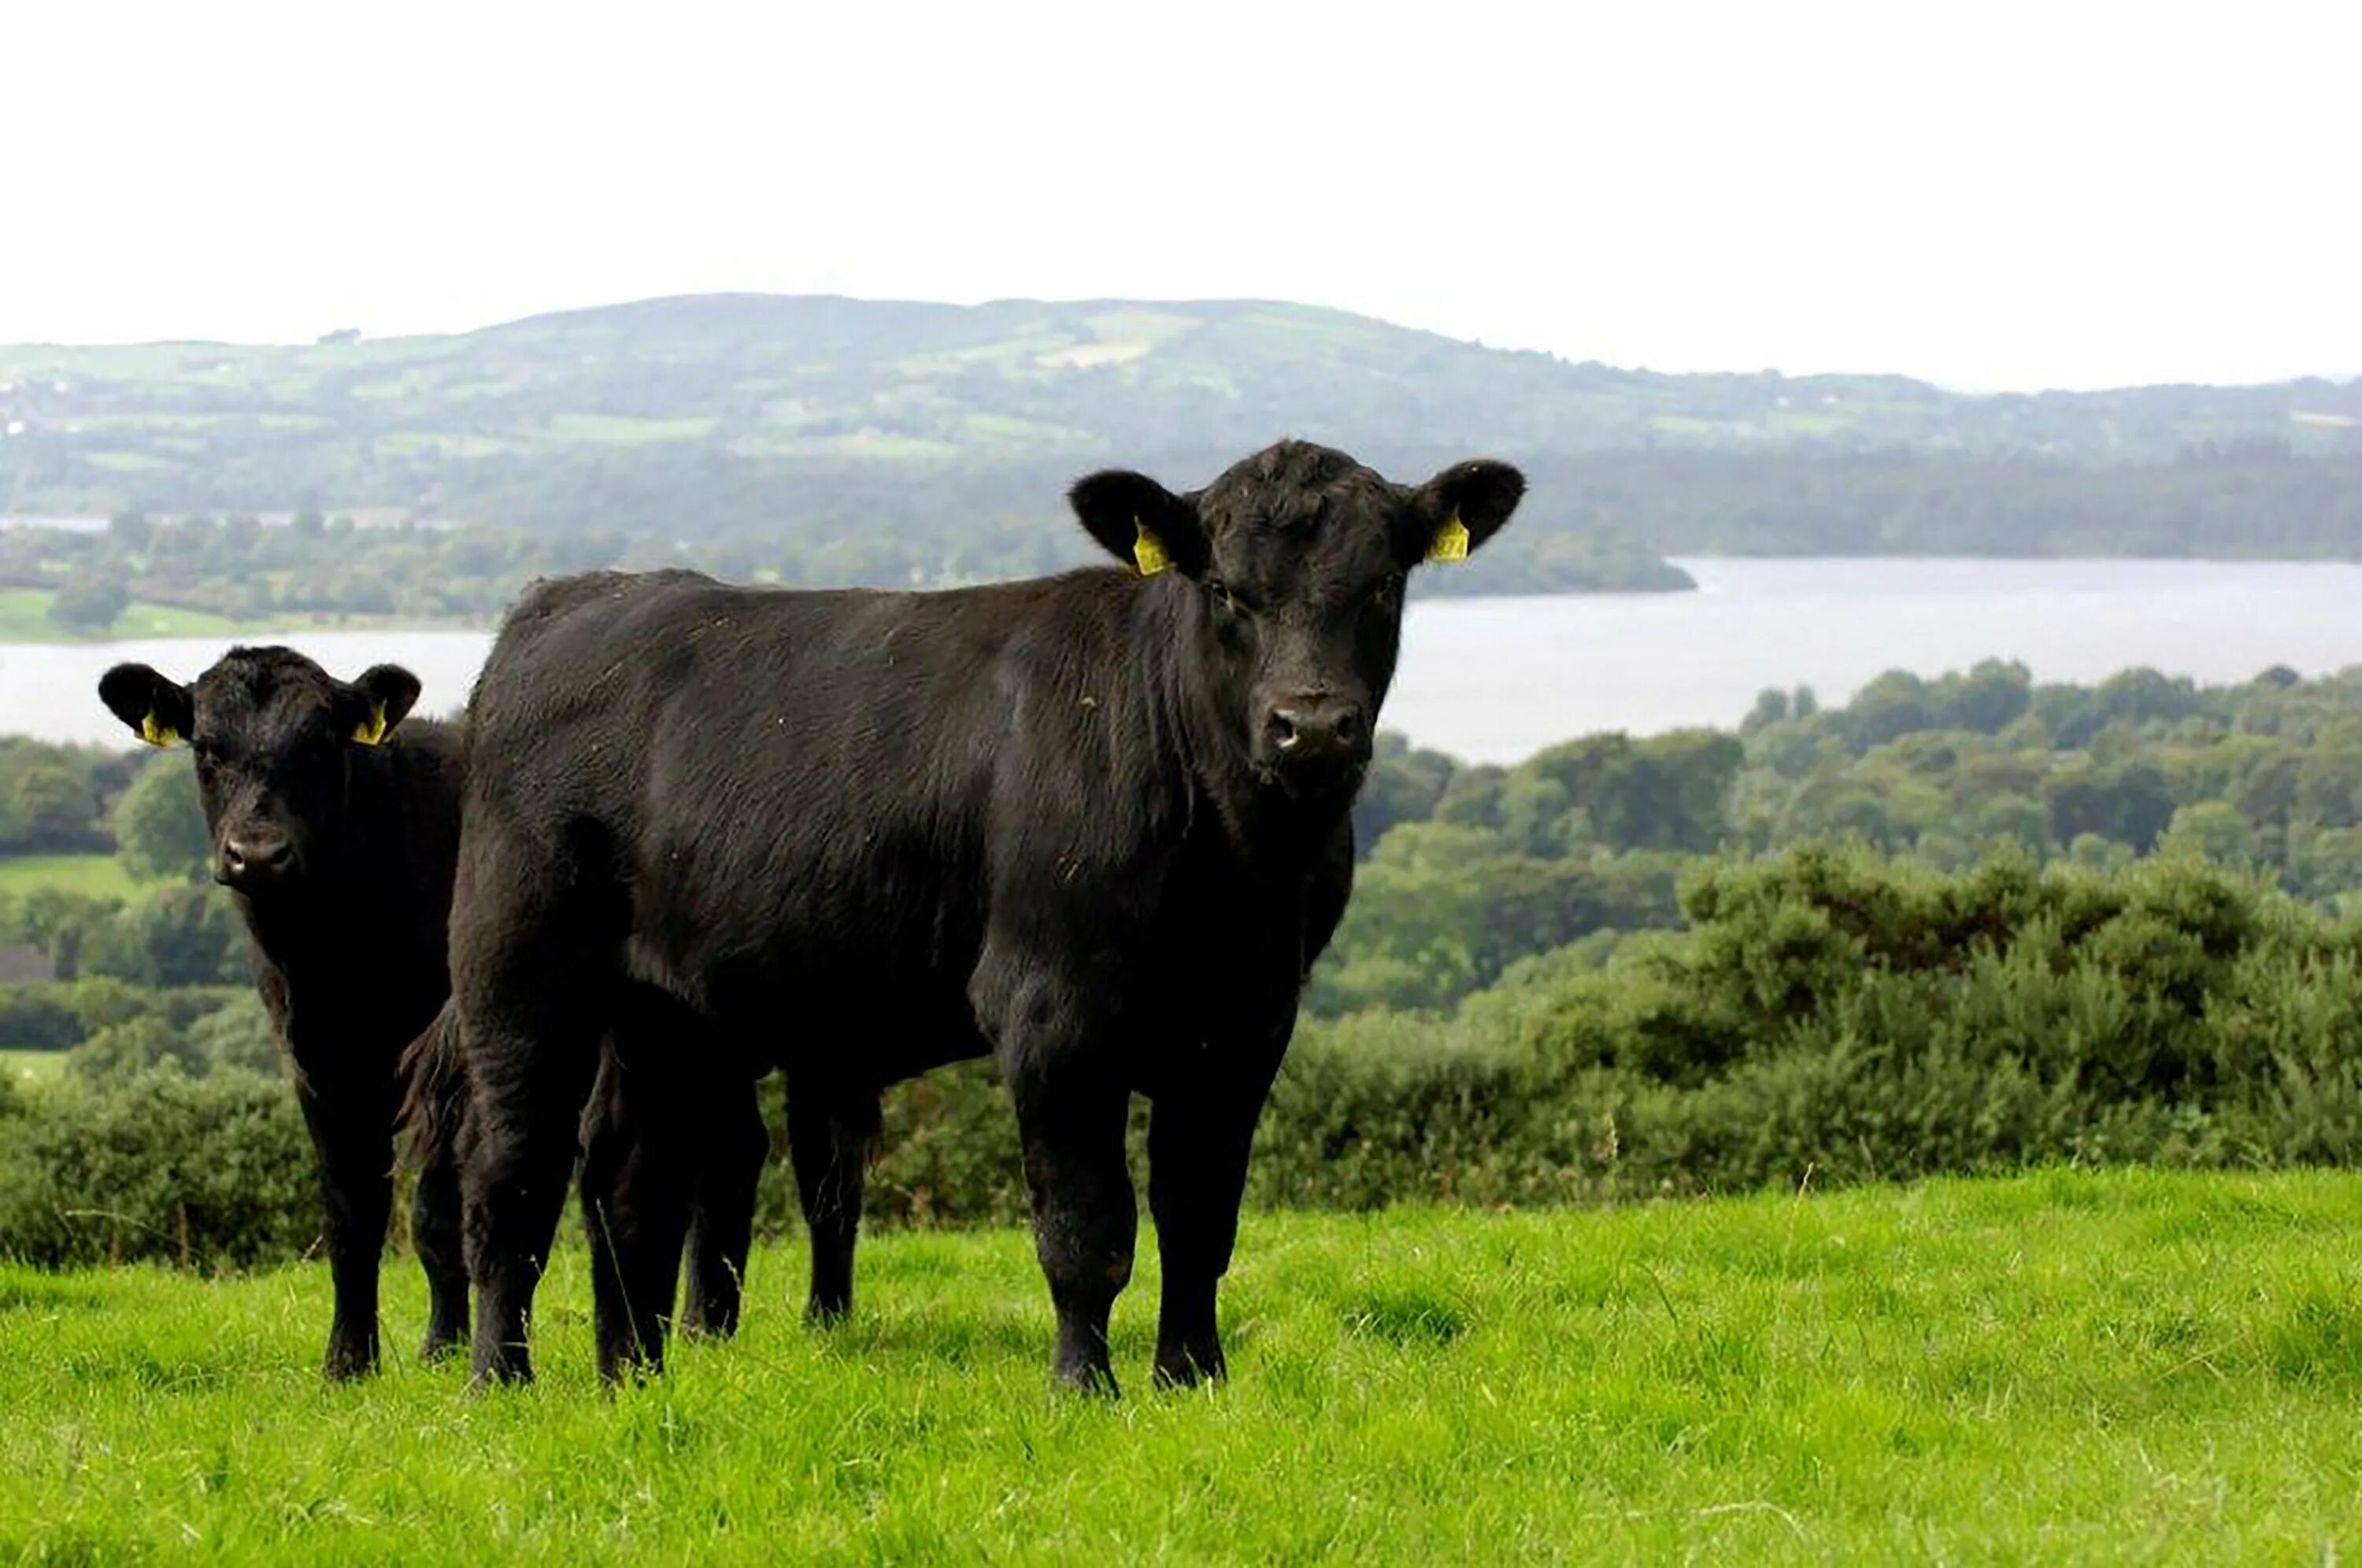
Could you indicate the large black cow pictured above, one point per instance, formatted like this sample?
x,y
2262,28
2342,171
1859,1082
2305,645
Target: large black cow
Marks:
x,y
336,825
1095,824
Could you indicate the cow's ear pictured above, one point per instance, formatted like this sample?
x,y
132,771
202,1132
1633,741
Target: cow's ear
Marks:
x,y
1458,510
156,710
375,704
1140,523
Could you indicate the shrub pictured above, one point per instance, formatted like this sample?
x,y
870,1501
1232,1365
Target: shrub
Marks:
x,y
1829,1018
206,1172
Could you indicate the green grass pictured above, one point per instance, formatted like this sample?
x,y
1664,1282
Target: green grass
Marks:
x,y
618,430
25,618
94,875
22,1066
2065,1367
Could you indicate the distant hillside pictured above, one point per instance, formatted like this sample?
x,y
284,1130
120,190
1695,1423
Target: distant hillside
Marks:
x,y
948,432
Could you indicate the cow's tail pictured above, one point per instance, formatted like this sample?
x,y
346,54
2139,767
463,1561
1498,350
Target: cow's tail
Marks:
x,y
434,1093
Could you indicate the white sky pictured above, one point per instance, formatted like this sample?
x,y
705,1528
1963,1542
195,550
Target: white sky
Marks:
x,y
1996,195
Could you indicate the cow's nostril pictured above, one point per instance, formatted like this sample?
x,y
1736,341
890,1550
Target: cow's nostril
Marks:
x,y
1281,730
1349,726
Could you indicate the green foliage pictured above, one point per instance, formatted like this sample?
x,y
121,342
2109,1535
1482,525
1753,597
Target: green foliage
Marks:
x,y
1828,1017
159,827
52,797
236,1035
1513,1011
205,1173
175,937
121,1049
1443,907
89,600
56,1014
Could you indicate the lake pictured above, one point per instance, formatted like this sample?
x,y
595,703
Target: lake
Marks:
x,y
1494,680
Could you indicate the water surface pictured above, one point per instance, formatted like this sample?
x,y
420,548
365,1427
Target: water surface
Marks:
x,y
1494,680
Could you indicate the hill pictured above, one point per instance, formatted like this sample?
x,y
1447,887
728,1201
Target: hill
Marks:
x,y
931,441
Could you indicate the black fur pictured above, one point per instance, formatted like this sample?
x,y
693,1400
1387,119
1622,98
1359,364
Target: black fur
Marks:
x,y
1094,825
346,918
339,854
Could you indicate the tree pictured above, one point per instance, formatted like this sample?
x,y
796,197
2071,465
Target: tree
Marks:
x,y
122,1049
89,603
159,828
2212,828
238,1035
178,936
131,529
47,805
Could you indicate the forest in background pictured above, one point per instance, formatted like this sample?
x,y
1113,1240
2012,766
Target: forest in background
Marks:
x,y
1952,925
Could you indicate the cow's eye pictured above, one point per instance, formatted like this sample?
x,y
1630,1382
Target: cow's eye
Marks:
x,y
1224,595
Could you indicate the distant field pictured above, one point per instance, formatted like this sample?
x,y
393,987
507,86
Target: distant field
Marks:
x,y
25,618
2066,1367
98,876
23,1065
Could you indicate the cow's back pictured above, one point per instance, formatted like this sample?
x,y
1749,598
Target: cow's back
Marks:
x,y
801,792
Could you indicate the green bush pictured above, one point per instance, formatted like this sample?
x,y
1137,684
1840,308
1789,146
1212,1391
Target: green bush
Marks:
x,y
205,1173
35,1017
123,1050
236,1034
1829,1016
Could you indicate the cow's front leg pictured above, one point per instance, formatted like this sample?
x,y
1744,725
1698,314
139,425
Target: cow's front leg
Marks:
x,y
352,1135
1198,1139
1071,1108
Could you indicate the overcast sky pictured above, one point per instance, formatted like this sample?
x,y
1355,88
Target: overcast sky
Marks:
x,y
1989,196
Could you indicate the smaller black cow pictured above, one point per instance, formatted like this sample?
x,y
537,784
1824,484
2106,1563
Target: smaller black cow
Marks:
x,y
338,837
1096,825
336,825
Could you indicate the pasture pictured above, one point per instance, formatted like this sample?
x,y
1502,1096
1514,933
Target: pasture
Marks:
x,y
2066,1365
25,618
90,876
24,1066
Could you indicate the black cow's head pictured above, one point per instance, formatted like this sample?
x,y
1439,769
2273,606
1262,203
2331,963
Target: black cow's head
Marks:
x,y
273,734
1298,558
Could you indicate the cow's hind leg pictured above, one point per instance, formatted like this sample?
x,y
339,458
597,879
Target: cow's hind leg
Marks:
x,y
722,1228
434,1233
638,1167
831,1130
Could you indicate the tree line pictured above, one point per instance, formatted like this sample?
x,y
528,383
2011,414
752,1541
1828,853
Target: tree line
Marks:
x,y
1950,924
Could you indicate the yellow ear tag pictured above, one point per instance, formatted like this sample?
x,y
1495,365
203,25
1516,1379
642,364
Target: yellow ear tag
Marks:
x,y
371,730
155,733
1450,542
1148,552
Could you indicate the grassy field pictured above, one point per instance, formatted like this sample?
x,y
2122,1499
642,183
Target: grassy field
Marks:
x,y
22,1064
2063,1367
25,618
98,876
